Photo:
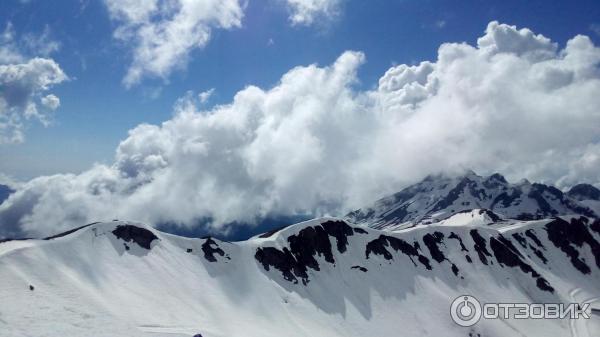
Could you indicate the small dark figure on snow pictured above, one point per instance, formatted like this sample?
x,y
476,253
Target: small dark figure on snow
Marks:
x,y
31,287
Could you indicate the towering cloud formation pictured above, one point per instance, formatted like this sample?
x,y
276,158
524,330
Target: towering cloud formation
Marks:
x,y
513,103
24,81
163,33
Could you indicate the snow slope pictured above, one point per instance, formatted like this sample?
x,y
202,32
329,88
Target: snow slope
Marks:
x,y
322,277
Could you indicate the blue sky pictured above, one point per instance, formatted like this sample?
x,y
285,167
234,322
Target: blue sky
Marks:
x,y
97,110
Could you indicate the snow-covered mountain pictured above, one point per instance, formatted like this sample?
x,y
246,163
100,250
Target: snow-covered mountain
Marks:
x,y
438,197
587,195
584,192
323,277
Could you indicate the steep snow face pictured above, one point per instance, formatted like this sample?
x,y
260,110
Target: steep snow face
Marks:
x,y
438,197
323,277
474,217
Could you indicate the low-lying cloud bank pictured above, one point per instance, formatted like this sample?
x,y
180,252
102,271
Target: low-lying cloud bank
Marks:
x,y
515,103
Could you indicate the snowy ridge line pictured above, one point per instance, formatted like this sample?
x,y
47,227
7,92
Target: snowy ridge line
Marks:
x,y
323,277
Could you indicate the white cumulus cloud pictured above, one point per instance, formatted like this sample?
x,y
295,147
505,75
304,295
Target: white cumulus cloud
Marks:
x,y
164,32
306,12
51,101
206,95
513,103
23,81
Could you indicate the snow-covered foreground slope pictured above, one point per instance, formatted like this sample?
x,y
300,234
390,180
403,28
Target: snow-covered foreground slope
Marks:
x,y
318,278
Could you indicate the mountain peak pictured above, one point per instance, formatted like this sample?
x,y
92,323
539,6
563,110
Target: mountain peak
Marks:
x,y
438,197
584,192
498,177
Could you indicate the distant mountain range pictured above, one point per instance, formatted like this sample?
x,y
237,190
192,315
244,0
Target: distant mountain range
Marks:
x,y
439,197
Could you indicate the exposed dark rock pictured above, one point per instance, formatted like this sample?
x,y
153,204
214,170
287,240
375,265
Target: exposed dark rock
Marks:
x,y
283,261
507,255
378,247
480,246
584,192
456,192
32,288
432,241
493,216
520,239
454,269
340,230
495,180
141,236
543,284
360,230
506,242
506,198
309,243
69,231
313,241
578,209
304,247
210,248
468,258
536,193
527,217
398,215
531,234
363,269
570,236
538,253
425,261
189,250
456,237
595,226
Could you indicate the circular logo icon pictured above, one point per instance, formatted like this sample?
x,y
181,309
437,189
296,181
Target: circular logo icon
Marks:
x,y
465,310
